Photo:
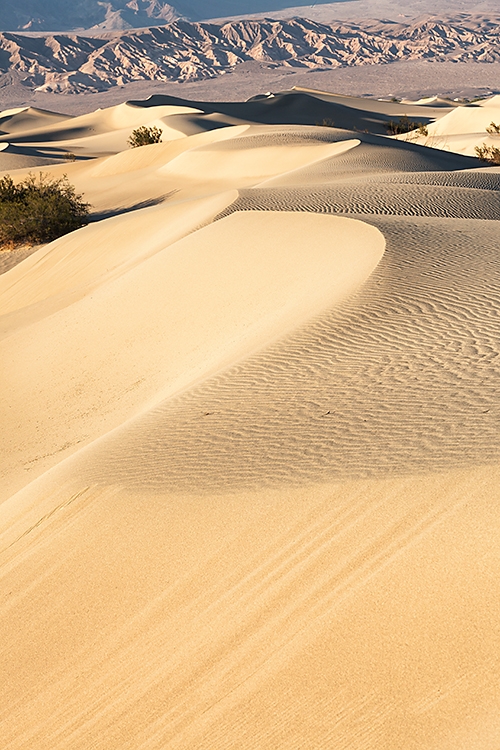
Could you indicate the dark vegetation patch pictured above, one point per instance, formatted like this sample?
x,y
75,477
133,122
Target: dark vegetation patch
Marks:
x,y
39,209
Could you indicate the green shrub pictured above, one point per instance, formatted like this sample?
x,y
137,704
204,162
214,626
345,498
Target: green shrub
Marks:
x,y
143,136
39,209
489,154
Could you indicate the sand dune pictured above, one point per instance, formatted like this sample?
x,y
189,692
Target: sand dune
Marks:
x,y
215,323
21,119
464,128
105,131
44,135
250,448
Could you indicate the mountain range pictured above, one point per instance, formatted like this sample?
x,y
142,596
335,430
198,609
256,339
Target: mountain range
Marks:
x,y
186,51
58,15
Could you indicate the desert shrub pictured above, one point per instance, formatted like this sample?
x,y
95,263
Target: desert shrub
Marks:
x,y
39,209
143,136
489,154
326,122
493,129
405,125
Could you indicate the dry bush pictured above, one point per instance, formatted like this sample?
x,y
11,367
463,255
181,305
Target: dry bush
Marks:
x,y
489,154
326,122
405,125
144,136
493,129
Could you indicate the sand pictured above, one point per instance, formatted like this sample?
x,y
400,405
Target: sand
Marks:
x,y
464,128
249,444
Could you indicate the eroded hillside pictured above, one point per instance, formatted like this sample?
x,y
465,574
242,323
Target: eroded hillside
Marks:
x,y
184,51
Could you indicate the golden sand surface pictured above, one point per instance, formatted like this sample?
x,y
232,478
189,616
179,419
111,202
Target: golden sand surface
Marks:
x,y
250,446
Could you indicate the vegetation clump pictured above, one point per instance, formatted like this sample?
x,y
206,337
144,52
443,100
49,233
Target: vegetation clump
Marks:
x,y
490,154
405,125
326,122
493,129
39,209
144,136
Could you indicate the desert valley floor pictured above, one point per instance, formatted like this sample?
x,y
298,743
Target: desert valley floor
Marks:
x,y
250,439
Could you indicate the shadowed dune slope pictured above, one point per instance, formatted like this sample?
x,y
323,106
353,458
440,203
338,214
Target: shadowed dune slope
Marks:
x,y
22,119
299,107
250,446
106,131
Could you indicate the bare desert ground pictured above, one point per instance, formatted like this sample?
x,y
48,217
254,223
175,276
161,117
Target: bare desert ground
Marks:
x,y
250,440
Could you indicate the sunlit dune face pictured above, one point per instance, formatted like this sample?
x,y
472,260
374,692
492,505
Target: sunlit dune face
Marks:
x,y
250,436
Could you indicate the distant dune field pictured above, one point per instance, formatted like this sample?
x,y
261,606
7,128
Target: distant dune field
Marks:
x,y
250,440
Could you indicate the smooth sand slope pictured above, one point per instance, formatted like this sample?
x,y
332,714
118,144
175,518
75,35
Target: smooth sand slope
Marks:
x,y
464,128
250,448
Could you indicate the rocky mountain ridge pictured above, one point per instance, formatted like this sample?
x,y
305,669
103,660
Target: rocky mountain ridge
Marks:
x,y
59,15
185,51
31,15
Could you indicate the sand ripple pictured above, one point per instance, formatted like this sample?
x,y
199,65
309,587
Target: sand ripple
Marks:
x,y
403,379
383,199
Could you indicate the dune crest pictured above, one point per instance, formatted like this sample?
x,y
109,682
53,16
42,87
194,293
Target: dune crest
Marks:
x,y
236,303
